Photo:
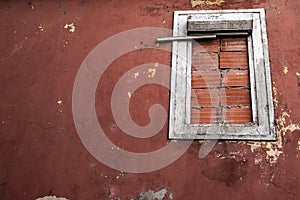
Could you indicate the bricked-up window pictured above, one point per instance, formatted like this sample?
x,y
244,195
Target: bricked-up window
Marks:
x,y
221,83
221,87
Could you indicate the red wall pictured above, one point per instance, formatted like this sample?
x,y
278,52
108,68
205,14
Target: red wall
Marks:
x,y
41,152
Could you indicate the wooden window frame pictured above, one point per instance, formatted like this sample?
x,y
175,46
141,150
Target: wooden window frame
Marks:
x,y
262,127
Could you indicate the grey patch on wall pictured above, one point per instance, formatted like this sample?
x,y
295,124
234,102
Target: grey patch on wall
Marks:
x,y
51,198
151,195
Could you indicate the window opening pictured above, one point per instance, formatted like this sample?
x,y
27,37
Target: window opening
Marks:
x,y
221,88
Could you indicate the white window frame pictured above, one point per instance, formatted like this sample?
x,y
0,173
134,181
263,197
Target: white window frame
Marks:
x,y
262,127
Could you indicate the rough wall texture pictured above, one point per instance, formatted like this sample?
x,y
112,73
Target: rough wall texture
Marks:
x,y
42,46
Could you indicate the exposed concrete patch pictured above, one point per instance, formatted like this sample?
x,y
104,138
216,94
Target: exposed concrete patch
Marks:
x,y
159,195
51,198
196,3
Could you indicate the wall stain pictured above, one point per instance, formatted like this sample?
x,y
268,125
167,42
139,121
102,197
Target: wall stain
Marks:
x,y
150,11
82,2
2,190
227,170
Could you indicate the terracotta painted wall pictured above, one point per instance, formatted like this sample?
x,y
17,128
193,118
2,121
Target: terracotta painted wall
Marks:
x,y
43,44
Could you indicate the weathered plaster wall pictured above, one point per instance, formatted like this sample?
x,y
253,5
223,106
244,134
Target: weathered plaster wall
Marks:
x,y
42,46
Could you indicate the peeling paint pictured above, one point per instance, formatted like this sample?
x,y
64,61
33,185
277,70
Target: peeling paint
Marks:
x,y
51,198
152,72
254,145
298,74
136,74
285,69
65,43
273,150
275,91
275,94
206,2
59,102
236,154
298,148
282,123
258,160
41,27
129,94
70,27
